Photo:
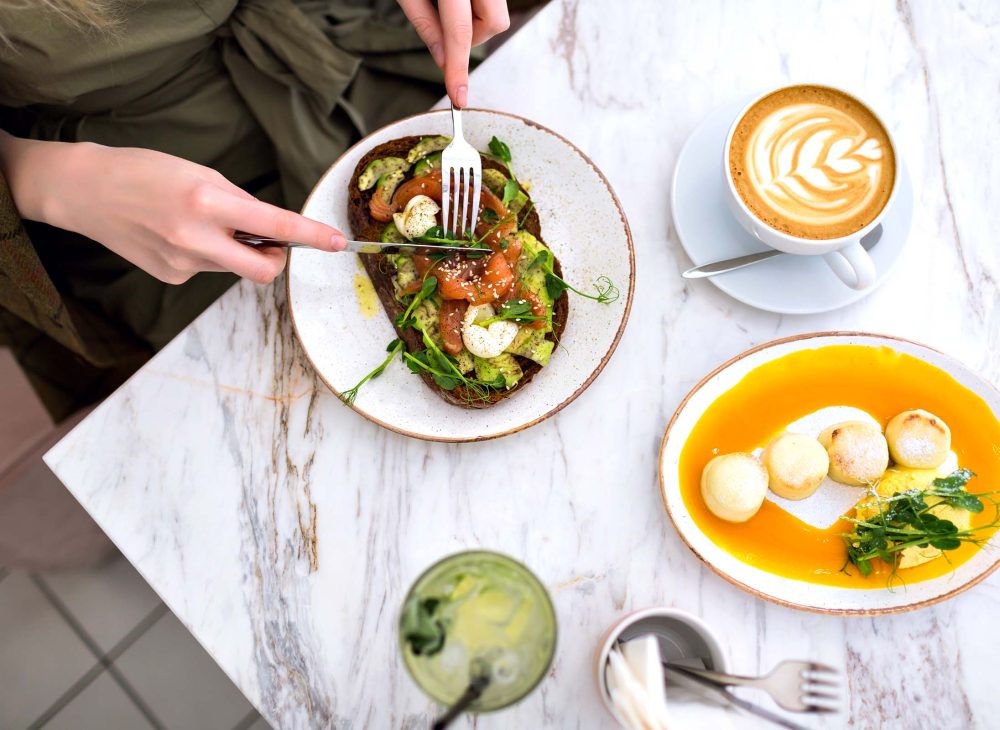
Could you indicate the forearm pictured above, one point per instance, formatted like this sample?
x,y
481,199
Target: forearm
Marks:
x,y
38,174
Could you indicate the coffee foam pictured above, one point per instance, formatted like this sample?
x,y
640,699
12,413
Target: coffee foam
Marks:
x,y
812,162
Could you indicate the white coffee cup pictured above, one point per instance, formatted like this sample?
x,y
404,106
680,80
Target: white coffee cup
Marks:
x,y
845,255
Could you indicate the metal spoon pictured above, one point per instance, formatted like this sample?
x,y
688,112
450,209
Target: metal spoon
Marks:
x,y
721,267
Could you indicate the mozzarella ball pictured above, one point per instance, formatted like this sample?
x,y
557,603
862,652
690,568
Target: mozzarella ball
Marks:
x,y
918,439
858,452
487,342
796,465
418,217
734,486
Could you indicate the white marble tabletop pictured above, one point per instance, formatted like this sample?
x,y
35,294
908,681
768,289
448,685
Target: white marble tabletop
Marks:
x,y
283,529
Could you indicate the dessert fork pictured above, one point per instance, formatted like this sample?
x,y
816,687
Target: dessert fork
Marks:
x,y
461,160
796,686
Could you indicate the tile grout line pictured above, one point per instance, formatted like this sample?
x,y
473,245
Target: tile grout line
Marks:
x,y
68,696
104,660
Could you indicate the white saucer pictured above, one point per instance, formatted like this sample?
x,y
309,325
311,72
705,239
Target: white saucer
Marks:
x,y
785,284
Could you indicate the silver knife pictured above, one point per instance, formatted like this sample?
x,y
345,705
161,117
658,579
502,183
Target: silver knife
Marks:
x,y
721,267
407,249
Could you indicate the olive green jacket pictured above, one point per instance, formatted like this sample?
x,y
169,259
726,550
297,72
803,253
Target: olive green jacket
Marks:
x,y
268,92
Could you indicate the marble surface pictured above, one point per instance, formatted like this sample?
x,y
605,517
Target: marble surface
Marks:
x,y
283,529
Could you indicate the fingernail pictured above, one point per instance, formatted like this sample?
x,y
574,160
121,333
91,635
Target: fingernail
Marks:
x,y
463,95
437,55
338,242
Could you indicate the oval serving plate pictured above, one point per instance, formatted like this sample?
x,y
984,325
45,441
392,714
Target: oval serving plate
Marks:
x,y
788,591
344,343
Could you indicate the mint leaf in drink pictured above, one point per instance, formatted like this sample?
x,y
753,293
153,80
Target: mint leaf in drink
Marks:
x,y
421,629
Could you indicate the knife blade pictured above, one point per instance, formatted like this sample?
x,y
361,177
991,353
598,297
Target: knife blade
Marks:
x,y
362,247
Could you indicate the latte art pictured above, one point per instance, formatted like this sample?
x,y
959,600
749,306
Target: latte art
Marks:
x,y
812,162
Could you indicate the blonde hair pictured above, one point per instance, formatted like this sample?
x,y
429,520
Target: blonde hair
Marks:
x,y
94,14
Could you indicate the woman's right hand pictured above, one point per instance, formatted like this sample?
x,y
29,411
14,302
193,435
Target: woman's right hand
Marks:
x,y
450,28
168,216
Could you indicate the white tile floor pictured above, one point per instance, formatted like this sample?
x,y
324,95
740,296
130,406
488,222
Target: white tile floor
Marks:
x,y
98,650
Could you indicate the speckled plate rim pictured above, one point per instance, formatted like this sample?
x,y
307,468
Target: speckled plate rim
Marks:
x,y
559,406
975,580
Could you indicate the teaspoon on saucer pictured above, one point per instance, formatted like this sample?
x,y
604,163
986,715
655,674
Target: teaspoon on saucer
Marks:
x,y
721,267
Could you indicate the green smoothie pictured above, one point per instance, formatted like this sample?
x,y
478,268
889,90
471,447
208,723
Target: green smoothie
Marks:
x,y
473,614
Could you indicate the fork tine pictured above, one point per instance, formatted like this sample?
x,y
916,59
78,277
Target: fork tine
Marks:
x,y
817,667
820,708
466,183
477,188
445,194
456,193
821,680
812,695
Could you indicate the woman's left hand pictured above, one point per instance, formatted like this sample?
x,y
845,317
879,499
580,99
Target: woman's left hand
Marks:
x,y
451,30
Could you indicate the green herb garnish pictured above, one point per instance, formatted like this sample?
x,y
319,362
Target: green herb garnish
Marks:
x,y
421,629
445,371
517,310
437,236
502,152
405,320
607,292
394,347
510,190
527,212
905,520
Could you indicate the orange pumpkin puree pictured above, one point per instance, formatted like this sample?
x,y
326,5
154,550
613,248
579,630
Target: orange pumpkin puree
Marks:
x,y
879,380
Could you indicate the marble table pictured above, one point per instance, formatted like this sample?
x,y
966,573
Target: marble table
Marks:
x,y
283,529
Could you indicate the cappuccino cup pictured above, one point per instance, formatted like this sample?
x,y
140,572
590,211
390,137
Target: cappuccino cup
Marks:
x,y
810,170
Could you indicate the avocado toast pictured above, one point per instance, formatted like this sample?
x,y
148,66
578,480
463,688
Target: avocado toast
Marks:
x,y
388,168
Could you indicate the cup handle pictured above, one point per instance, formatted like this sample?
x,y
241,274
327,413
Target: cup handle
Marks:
x,y
852,265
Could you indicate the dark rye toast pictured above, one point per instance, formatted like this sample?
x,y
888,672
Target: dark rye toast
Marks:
x,y
381,271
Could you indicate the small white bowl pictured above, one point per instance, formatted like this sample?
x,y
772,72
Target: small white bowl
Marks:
x,y
682,636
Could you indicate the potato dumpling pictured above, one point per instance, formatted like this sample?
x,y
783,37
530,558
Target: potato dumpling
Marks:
x,y
796,465
734,486
918,439
858,452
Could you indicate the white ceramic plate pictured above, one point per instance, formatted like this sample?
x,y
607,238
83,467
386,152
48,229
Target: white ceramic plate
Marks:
x,y
787,591
708,232
582,221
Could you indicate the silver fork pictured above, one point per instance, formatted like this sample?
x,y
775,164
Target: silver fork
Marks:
x,y
796,686
461,160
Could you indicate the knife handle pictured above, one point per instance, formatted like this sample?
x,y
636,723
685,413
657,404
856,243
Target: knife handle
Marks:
x,y
265,241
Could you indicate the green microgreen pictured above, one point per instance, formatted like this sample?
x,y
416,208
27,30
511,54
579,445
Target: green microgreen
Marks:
x,y
516,310
527,212
510,191
906,519
445,371
607,292
405,320
394,347
501,151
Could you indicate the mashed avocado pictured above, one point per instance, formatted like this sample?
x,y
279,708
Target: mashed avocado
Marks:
x,y
504,364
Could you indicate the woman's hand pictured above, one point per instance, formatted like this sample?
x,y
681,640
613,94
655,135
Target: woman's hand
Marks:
x,y
170,217
451,30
